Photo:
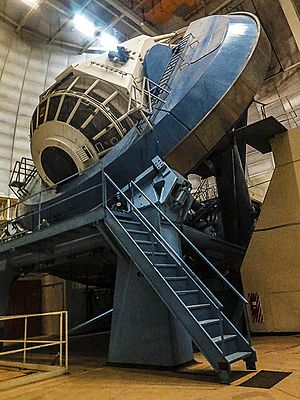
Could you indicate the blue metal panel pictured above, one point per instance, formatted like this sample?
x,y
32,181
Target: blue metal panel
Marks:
x,y
156,61
224,62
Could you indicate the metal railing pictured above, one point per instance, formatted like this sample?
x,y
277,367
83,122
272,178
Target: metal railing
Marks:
x,y
35,343
132,185
206,190
285,109
21,176
38,212
151,229
195,249
163,242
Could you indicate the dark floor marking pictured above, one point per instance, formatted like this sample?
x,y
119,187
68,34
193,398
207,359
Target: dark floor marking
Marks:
x,y
265,379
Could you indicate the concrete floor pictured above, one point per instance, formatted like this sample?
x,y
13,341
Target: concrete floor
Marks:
x,y
88,380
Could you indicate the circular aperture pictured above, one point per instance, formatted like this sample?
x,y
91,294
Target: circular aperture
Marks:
x,y
57,164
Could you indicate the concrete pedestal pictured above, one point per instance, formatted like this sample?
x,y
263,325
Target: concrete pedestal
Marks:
x,y
271,268
143,330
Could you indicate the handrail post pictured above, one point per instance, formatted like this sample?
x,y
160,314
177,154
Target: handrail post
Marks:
x,y
104,188
131,195
39,212
25,339
247,323
60,339
220,317
66,342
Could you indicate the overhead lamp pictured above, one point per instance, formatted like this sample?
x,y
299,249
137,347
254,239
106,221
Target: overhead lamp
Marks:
x,y
31,3
83,25
107,41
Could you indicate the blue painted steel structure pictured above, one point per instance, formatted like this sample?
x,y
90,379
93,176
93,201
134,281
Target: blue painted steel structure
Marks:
x,y
147,241
206,82
213,75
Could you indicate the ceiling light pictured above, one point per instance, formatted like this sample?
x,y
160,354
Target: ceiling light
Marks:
x,y
108,42
83,25
31,3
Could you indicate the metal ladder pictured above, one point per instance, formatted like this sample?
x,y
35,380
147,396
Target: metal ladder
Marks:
x,y
162,89
177,52
184,294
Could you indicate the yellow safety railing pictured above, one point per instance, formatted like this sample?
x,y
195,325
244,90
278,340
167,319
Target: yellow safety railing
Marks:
x,y
33,343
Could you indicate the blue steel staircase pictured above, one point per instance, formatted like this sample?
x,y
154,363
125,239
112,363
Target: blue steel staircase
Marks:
x,y
131,232
184,294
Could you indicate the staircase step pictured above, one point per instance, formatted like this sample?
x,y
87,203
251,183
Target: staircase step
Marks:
x,y
148,242
129,221
239,355
137,231
181,293
166,265
176,278
201,311
158,256
218,339
189,291
207,322
155,253
169,270
178,282
211,324
198,306
191,296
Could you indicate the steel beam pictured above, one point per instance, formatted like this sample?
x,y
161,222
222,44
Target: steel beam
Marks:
x,y
57,229
292,18
59,9
8,19
117,5
68,20
135,28
124,13
28,15
70,17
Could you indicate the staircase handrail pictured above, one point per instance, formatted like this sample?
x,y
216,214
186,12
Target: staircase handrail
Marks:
x,y
165,244
197,251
